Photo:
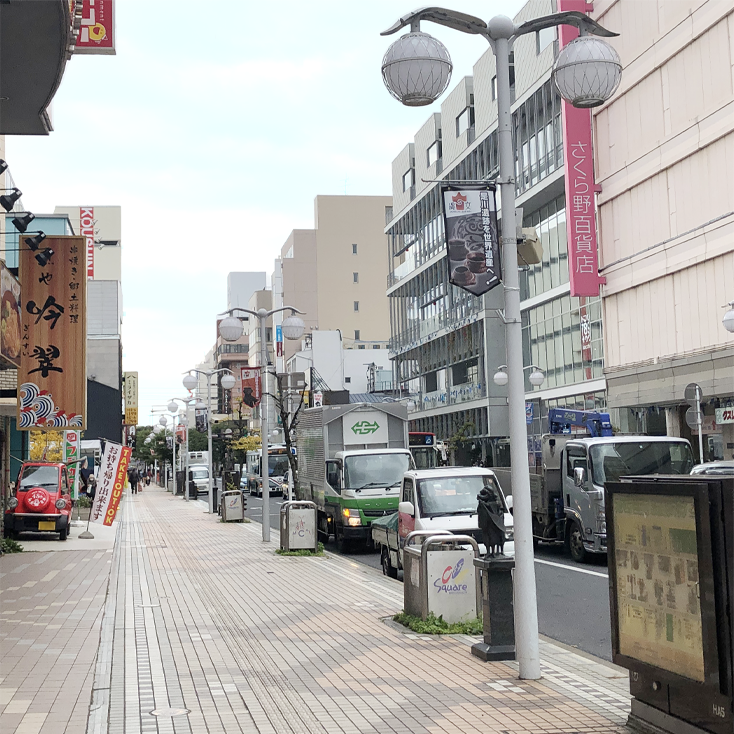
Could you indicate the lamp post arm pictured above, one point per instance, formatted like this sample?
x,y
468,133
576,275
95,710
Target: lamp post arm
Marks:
x,y
285,308
230,311
569,17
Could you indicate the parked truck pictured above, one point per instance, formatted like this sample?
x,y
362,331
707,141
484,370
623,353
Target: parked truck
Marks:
x,y
567,495
439,500
351,460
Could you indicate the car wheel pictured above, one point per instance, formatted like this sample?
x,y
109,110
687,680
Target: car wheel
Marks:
x,y
387,568
63,533
576,544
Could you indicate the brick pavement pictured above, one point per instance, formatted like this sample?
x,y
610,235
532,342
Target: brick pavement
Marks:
x,y
210,629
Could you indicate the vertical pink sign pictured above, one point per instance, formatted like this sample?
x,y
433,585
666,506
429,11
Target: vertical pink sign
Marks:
x,y
583,258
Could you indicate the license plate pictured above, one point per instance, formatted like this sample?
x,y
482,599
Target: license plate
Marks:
x,y
46,525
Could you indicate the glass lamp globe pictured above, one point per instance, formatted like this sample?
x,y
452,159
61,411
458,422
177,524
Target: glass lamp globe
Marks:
x,y
163,420
190,381
228,381
231,329
172,407
293,327
587,72
416,69
200,405
501,377
728,319
536,377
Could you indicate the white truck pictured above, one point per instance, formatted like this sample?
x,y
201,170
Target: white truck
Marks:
x,y
441,499
351,461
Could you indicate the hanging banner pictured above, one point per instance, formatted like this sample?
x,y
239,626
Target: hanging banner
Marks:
x,y
130,381
251,392
97,31
180,434
278,341
86,230
52,379
71,453
583,256
470,223
200,419
10,343
110,483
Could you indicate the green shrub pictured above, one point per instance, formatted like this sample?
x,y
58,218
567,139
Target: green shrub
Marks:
x,y
433,625
302,552
84,501
8,545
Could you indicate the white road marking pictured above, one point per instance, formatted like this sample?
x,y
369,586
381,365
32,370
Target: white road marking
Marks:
x,y
573,568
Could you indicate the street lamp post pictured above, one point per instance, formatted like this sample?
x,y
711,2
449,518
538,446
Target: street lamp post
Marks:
x,y
173,408
228,382
231,329
590,76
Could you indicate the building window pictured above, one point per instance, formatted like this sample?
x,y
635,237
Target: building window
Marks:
x,y
434,152
375,346
465,120
494,88
354,249
544,38
361,346
355,277
356,335
347,380
356,305
431,379
408,179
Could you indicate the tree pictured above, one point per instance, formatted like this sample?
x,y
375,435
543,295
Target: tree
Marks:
x,y
197,441
46,446
288,421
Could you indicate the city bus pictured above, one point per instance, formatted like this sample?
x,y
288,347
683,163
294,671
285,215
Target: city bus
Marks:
x,y
278,465
423,447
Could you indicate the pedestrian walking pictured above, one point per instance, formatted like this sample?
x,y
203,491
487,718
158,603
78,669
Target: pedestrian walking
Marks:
x,y
132,476
148,475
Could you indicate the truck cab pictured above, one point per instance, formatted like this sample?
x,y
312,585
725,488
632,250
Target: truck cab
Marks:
x,y
585,465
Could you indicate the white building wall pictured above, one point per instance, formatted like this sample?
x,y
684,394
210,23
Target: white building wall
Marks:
x,y
402,163
459,98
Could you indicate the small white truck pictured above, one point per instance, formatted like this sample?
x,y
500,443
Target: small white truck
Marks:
x,y
441,499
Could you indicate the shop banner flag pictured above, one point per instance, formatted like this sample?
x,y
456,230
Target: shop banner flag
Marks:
x,y
251,392
71,454
472,243
110,483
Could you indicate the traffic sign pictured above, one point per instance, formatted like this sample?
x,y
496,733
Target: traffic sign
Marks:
x,y
694,418
693,394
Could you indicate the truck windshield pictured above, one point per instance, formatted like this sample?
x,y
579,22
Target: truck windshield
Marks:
x,y
375,470
39,476
455,495
200,473
610,461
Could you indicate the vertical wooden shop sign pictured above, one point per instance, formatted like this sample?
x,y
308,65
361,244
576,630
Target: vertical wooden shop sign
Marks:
x,y
52,379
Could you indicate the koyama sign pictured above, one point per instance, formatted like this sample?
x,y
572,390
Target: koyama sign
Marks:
x,y
724,415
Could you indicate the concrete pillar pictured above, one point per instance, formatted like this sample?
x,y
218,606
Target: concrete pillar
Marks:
x,y
672,421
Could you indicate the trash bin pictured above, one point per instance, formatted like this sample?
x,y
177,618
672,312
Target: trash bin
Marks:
x,y
298,526
233,509
439,576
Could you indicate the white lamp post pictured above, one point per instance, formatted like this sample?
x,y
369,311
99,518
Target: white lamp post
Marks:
x,y
190,382
728,319
589,73
293,328
173,408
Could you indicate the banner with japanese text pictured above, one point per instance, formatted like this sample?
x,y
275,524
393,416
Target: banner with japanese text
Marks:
x,y
52,379
251,392
472,243
71,454
130,389
110,483
97,30
583,256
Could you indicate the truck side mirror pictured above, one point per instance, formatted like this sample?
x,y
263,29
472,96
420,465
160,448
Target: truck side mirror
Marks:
x,y
406,508
508,502
579,476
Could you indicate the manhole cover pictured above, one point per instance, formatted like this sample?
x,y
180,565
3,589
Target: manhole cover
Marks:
x,y
169,713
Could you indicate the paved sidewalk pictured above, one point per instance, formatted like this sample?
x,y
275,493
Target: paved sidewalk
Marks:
x,y
212,632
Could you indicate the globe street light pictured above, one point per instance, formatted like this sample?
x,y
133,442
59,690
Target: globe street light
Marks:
x,y
589,75
728,319
190,382
293,328
173,408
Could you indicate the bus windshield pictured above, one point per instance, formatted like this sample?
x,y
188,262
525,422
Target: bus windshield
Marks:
x,y
277,465
375,470
425,457
610,461
456,495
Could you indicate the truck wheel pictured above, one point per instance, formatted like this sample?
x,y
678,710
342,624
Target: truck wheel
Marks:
x,y
576,544
342,544
387,568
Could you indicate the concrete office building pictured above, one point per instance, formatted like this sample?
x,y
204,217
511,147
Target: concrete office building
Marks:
x,y
102,226
446,344
335,273
665,153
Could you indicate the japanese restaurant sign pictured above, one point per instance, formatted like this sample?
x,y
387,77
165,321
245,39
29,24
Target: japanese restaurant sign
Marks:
x,y
10,323
71,454
250,386
97,31
52,379
110,483
130,380
472,244
583,257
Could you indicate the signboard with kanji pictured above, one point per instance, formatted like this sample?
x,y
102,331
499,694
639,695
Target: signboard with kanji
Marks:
x,y
130,380
52,379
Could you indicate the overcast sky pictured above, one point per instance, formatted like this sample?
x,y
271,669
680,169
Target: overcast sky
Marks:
x,y
214,127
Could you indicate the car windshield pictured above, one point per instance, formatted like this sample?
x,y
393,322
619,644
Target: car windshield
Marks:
x,y
455,495
39,476
610,461
277,465
375,470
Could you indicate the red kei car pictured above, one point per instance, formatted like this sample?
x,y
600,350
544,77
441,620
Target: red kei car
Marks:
x,y
42,502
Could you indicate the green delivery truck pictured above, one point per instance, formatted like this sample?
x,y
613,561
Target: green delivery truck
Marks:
x,y
351,460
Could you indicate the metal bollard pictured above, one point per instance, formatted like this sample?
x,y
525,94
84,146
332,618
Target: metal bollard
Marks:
x,y
498,619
